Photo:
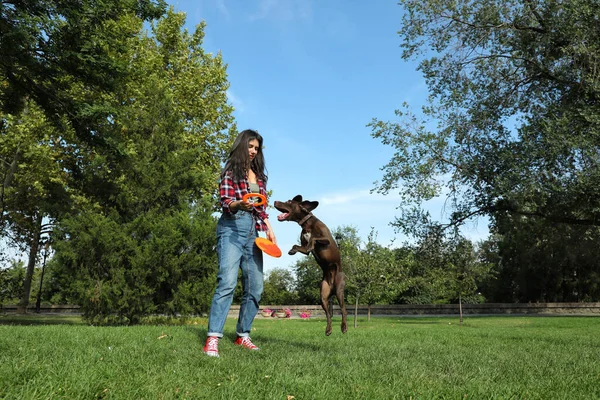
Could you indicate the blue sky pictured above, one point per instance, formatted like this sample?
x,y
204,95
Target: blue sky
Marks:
x,y
309,75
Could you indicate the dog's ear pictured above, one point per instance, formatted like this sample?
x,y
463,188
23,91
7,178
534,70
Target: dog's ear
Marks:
x,y
298,198
310,205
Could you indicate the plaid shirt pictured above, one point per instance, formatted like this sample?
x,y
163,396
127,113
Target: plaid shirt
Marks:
x,y
231,190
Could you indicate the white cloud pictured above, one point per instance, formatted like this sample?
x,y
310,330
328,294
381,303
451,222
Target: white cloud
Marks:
x,y
222,7
343,198
237,103
282,10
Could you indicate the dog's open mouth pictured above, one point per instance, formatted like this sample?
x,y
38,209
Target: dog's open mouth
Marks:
x,y
283,216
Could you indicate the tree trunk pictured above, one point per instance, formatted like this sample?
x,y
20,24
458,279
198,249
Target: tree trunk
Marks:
x,y
33,250
356,312
460,308
38,302
369,313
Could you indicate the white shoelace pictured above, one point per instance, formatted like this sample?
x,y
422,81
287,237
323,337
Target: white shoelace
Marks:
x,y
248,343
212,344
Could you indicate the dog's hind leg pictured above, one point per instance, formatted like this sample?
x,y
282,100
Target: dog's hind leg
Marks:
x,y
325,295
339,293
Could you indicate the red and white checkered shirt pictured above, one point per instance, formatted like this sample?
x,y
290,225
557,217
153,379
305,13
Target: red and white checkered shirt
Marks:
x,y
231,190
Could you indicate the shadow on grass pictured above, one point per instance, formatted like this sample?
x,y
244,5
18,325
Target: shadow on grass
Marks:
x,y
37,319
423,322
267,339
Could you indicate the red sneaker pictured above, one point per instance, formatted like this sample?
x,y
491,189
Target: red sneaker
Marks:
x,y
211,348
245,342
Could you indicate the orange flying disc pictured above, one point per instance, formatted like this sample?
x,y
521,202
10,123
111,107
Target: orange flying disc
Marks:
x,y
261,199
268,247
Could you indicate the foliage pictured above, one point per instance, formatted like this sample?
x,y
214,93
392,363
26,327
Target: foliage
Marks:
x,y
308,280
452,268
121,272
417,280
511,129
49,47
279,288
11,281
371,273
145,241
437,270
35,189
512,124
540,263
35,180
374,274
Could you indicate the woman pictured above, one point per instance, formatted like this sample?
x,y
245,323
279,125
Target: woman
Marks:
x,y
240,221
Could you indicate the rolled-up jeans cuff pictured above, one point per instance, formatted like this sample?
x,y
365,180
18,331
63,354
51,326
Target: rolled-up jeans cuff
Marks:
x,y
243,334
215,334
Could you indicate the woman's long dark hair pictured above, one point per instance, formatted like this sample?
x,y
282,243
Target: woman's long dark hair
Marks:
x,y
238,160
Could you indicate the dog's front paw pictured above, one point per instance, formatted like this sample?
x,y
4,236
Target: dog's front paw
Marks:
x,y
292,251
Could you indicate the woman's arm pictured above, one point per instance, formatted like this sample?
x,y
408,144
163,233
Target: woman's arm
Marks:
x,y
270,233
228,198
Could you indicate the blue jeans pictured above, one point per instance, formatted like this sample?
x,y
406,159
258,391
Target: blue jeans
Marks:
x,y
235,250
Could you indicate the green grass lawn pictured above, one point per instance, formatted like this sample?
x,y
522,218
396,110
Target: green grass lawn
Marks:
x,y
387,358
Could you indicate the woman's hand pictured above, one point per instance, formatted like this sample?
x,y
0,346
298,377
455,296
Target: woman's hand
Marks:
x,y
241,205
271,236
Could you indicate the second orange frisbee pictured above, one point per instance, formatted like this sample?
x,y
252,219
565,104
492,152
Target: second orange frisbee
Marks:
x,y
268,247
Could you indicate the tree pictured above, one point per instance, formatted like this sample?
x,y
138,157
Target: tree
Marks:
x,y
512,123
308,280
157,263
36,192
280,288
49,47
446,268
416,285
370,270
59,59
145,242
537,262
11,281
511,127
465,272
372,275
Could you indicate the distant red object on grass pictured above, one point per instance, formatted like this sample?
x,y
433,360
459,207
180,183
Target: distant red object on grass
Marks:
x,y
261,199
268,247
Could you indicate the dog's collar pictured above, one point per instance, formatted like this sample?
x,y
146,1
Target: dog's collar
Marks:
x,y
306,218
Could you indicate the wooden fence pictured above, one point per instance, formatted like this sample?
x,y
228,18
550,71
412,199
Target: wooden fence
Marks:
x,y
394,309
450,309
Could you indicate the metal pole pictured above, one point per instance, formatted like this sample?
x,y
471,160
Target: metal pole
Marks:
x,y
39,295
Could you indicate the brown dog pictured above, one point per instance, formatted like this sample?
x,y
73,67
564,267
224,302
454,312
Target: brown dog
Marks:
x,y
317,238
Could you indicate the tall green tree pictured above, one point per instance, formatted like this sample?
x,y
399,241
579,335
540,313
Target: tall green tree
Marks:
x,y
511,127
48,47
146,243
535,262
37,193
11,281
512,124
62,60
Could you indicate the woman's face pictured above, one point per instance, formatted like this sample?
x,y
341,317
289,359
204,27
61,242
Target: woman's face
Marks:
x,y
253,148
